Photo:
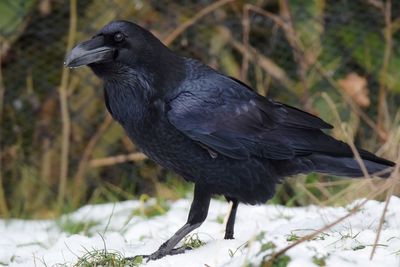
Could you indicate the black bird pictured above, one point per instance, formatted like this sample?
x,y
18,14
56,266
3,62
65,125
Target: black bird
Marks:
x,y
211,129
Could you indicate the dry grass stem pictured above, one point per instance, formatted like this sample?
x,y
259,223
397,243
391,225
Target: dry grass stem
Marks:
x,y
208,9
383,135
108,161
66,123
299,50
383,111
3,204
268,65
87,153
246,34
278,20
389,183
349,140
394,175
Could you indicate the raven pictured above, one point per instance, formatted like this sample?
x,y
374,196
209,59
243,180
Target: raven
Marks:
x,y
211,129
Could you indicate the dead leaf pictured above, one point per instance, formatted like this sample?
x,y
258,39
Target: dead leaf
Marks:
x,y
355,86
45,7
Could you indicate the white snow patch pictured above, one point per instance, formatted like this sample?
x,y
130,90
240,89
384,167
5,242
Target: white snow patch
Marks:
x,y
348,244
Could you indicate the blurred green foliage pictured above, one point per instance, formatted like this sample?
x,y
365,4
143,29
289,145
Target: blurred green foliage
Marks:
x,y
12,16
300,53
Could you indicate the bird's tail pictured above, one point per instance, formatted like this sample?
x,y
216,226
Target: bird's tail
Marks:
x,y
348,166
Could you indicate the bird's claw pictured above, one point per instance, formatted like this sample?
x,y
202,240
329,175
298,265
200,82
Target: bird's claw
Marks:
x,y
161,253
179,250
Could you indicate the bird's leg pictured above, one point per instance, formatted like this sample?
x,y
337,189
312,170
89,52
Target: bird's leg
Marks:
x,y
231,219
197,214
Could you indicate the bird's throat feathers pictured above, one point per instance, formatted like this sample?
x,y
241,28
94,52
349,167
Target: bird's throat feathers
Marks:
x,y
128,93
131,90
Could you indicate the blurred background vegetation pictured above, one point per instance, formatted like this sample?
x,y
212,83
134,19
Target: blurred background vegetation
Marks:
x,y
60,149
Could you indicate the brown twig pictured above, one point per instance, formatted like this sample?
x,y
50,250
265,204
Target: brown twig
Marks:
x,y
3,204
313,198
246,35
346,191
382,219
388,195
87,153
383,112
137,156
264,62
389,184
299,47
205,11
66,123
354,107
328,226
285,22
349,140
298,53
376,3
278,20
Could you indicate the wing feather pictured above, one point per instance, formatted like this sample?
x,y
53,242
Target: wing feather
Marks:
x,y
236,122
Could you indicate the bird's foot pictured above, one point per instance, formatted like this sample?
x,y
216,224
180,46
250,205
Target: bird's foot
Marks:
x,y
228,236
160,254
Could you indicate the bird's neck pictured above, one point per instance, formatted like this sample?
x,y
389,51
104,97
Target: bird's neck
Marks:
x,y
131,91
128,95
166,70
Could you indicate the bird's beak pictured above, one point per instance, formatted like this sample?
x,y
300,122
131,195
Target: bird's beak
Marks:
x,y
88,52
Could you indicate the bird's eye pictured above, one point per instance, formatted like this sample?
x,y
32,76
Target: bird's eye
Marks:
x,y
119,37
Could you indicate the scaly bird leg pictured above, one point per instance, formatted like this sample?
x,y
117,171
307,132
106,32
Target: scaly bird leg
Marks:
x,y
197,214
230,225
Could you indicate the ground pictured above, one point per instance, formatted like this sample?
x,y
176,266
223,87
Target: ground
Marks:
x,y
135,227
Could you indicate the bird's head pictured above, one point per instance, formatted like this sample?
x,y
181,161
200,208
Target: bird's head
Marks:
x,y
117,45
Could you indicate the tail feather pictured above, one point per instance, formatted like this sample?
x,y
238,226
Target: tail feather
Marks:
x,y
348,166
366,155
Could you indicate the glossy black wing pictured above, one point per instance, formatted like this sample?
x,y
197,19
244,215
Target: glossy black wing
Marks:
x,y
223,115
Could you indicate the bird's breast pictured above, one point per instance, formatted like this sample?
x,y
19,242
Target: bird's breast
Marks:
x,y
162,143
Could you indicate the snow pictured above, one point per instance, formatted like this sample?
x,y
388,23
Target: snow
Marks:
x,y
115,227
